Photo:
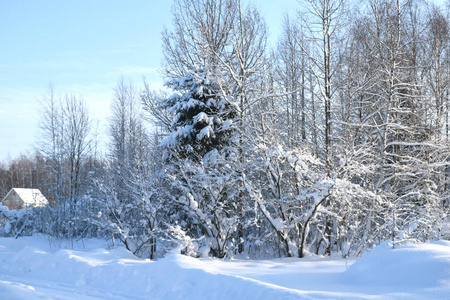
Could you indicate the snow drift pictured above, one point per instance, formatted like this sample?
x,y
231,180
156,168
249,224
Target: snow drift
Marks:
x,y
411,267
34,268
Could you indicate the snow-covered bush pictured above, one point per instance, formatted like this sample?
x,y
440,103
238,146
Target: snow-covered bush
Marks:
x,y
25,222
202,197
137,223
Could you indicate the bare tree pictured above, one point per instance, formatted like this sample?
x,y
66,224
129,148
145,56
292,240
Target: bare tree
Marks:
x,y
65,148
201,35
77,145
437,76
324,21
292,71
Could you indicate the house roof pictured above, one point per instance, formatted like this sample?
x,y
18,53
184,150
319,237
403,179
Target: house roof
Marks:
x,y
30,196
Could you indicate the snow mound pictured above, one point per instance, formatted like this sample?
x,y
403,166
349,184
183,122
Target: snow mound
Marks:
x,y
194,279
34,268
18,291
31,271
412,266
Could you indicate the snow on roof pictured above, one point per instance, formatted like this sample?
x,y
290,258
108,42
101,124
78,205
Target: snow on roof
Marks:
x,y
30,196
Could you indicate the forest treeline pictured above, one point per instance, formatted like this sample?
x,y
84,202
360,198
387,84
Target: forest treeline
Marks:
x,y
330,142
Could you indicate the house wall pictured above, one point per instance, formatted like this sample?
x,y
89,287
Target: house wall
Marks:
x,y
13,201
13,204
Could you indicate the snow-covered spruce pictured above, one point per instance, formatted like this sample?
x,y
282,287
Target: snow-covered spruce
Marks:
x,y
203,115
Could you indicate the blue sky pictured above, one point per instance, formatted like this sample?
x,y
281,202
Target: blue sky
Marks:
x,y
81,47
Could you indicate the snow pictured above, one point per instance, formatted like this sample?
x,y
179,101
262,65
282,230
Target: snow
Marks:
x,y
41,268
409,267
227,124
202,118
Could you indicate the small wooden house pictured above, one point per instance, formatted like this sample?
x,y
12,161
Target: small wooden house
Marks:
x,y
24,198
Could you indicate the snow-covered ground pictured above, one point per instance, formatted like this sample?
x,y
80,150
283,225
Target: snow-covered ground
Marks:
x,y
39,268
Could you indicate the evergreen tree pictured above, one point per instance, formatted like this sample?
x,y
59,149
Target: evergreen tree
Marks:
x,y
203,116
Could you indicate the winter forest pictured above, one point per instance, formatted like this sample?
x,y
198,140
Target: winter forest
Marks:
x,y
329,142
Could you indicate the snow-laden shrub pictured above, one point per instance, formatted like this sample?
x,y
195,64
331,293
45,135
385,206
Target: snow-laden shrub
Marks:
x,y
59,222
184,244
21,222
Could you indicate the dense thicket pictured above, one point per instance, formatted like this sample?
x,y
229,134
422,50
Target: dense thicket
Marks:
x,y
334,140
